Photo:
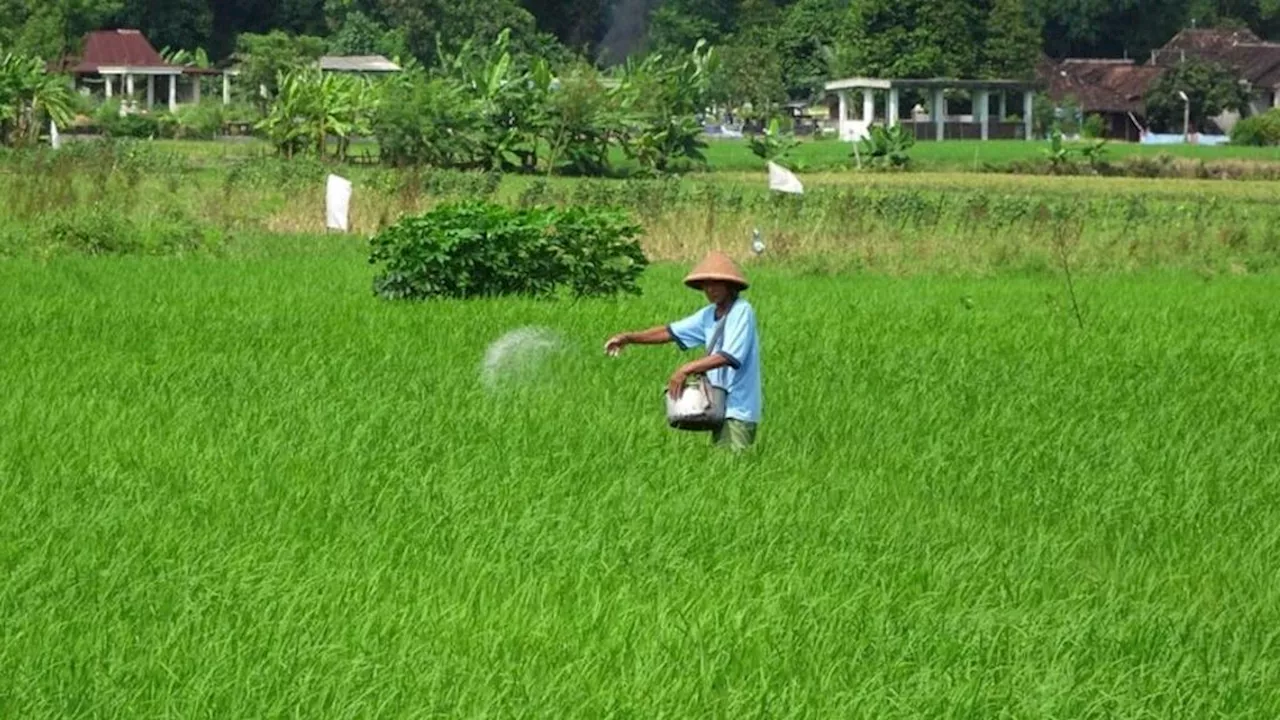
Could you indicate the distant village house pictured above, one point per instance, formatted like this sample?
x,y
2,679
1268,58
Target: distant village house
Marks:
x,y
123,63
1115,88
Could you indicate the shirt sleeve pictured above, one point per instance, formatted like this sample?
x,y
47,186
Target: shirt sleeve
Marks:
x,y
688,332
739,335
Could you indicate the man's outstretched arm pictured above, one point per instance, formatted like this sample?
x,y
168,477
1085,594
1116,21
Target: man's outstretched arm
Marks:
x,y
652,336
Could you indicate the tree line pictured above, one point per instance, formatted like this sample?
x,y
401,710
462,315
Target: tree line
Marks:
x,y
770,50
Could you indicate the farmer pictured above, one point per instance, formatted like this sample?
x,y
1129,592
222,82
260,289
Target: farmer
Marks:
x,y
733,365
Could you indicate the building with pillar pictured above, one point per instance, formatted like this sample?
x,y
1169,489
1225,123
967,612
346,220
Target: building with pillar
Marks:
x,y
123,64
997,109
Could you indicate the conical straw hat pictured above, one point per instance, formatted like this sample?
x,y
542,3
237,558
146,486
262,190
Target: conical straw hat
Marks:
x,y
716,266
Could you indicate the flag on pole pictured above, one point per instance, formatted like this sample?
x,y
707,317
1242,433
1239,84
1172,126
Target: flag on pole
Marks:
x,y
783,180
55,140
337,202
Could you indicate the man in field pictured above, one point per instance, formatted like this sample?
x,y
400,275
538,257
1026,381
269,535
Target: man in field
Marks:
x,y
733,364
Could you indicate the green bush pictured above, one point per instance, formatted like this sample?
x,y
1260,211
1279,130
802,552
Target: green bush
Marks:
x,y
774,143
477,249
429,122
102,229
1094,127
198,122
1258,130
887,147
137,126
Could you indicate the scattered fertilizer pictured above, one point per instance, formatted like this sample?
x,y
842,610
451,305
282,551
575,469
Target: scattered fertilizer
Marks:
x,y
517,355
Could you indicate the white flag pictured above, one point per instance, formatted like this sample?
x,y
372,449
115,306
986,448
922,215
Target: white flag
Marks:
x,y
337,202
783,180
55,140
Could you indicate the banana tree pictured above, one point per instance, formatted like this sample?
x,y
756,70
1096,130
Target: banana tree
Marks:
x,y
28,95
285,125
187,58
662,99
511,100
311,107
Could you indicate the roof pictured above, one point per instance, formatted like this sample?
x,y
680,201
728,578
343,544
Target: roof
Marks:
x,y
357,63
1102,85
118,48
1254,59
1208,43
936,83
1258,63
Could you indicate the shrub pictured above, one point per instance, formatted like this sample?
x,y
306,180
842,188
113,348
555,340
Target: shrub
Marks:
x,y
774,143
1258,130
476,249
198,122
430,122
1094,127
887,147
102,229
134,125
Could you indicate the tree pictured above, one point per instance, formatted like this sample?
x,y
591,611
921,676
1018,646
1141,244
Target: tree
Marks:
x,y
1108,28
805,45
958,31
1211,88
953,38
429,120
174,23
29,95
583,119
749,71
52,28
676,26
359,34
890,38
431,27
1012,44
266,58
312,107
662,98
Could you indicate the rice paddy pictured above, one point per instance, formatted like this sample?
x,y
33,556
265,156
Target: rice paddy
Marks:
x,y
235,484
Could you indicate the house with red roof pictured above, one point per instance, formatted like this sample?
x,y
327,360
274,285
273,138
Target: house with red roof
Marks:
x,y
122,63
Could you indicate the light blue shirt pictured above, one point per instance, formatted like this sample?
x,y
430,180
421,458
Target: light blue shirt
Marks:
x,y
739,344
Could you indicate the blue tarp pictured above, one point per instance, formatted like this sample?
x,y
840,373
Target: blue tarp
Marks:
x,y
1171,139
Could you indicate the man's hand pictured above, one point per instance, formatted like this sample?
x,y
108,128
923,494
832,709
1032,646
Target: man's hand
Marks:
x,y
675,386
615,344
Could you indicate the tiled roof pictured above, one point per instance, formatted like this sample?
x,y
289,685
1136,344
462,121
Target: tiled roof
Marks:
x,y
1212,44
1101,85
1256,61
117,48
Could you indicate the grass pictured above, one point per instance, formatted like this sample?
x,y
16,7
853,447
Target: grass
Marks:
x,y
822,155
969,155
242,487
933,223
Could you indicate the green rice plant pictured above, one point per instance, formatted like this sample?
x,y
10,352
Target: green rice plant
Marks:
x,y
246,488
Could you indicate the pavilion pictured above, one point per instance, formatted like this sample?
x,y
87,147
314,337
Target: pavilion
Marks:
x,y
937,125
118,60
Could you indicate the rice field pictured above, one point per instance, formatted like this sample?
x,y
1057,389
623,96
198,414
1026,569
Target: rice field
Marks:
x,y
130,199
827,155
240,486
972,155
235,484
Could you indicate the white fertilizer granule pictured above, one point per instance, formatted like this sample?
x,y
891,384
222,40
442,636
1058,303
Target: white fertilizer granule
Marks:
x,y
517,354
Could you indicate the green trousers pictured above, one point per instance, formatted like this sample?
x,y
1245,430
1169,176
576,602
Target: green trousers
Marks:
x,y
735,435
